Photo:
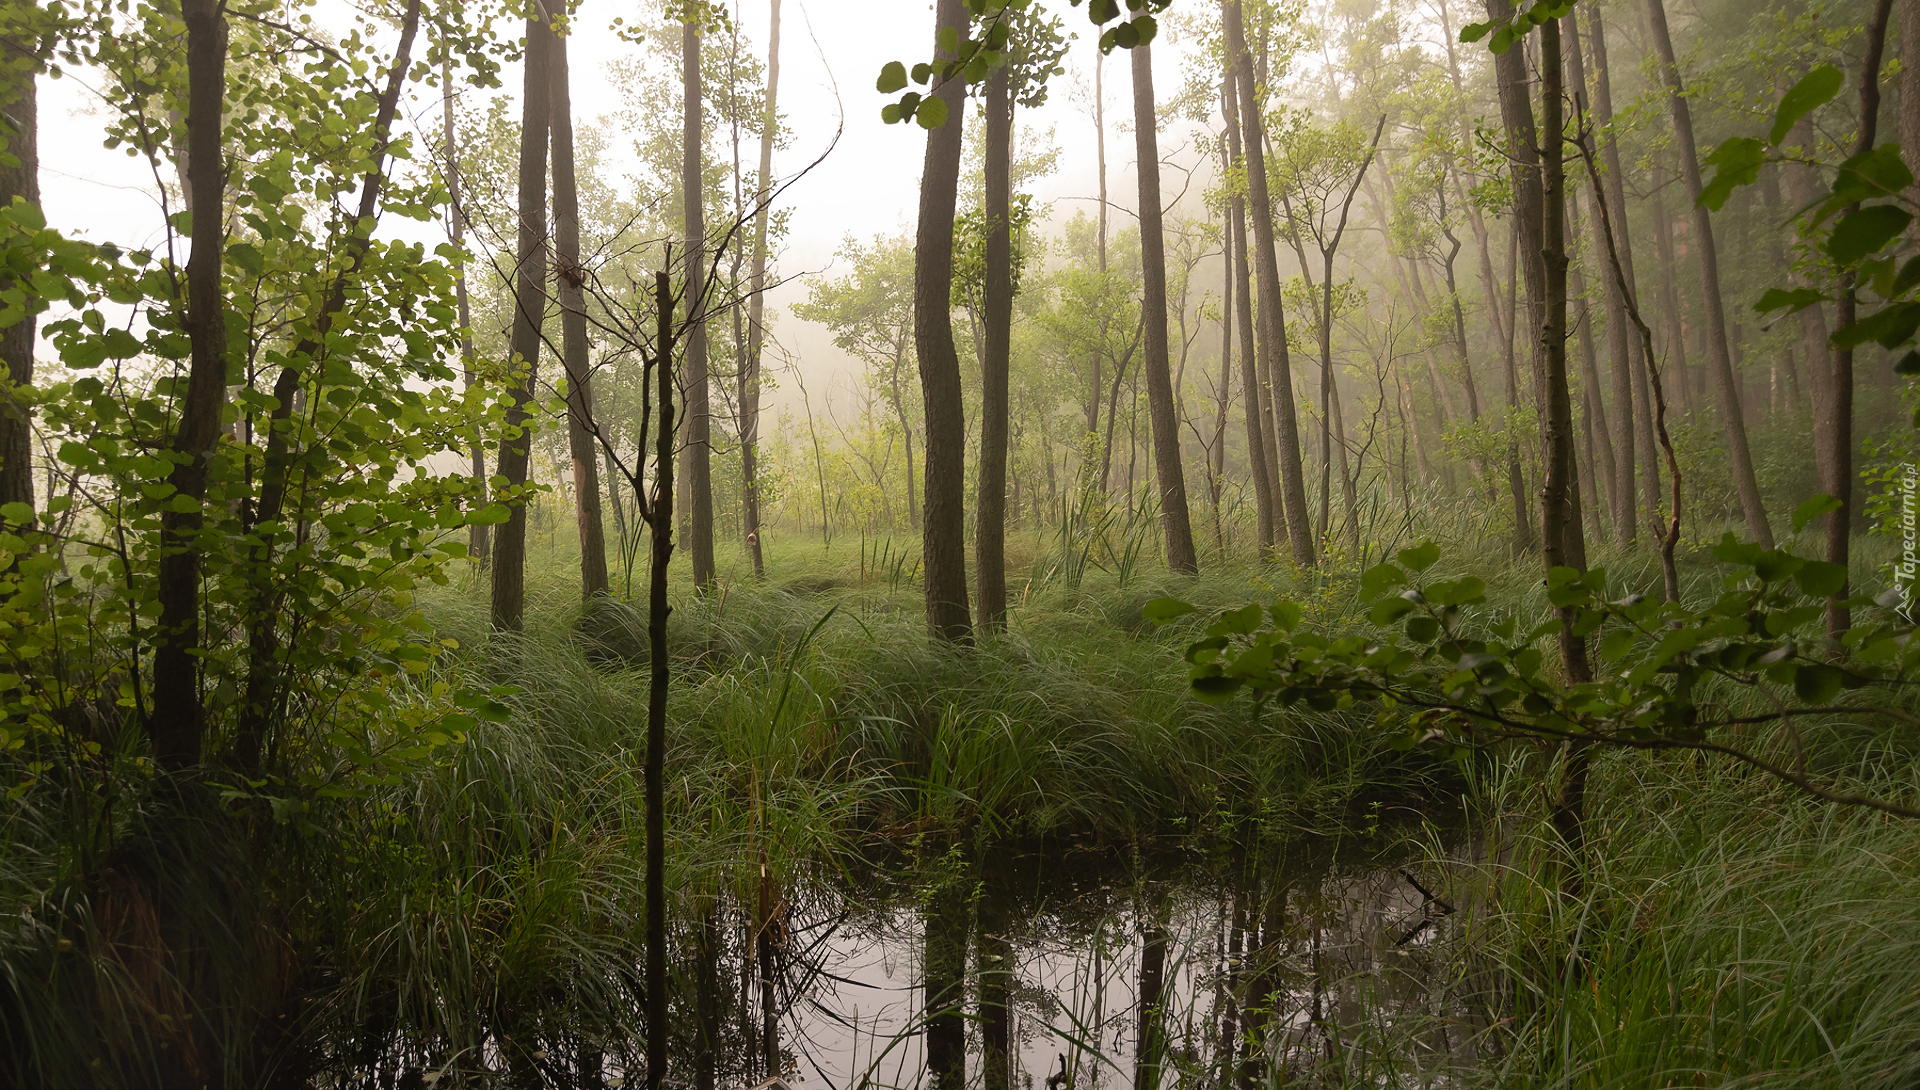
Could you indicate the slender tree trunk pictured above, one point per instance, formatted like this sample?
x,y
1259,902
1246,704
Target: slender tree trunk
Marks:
x,y
569,284
530,305
1165,421
697,372
996,976
1259,458
1510,71
177,713
1563,544
1602,476
1836,432
749,392
660,516
1733,422
943,537
477,536
1217,452
20,128
990,505
1272,321
1632,420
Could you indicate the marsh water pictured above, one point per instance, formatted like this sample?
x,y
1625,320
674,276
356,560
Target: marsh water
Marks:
x,y
1117,970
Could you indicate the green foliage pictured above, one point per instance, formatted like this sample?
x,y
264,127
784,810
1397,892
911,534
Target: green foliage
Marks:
x,y
1435,666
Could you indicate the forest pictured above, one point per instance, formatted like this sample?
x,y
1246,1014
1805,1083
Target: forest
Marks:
x,y
1183,544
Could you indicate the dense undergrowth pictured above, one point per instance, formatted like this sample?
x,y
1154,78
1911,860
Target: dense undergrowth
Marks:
x,y
487,912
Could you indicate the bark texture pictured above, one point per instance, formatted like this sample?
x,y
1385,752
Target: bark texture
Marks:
x,y
1153,260
757,307
20,126
695,373
990,508
943,523
569,286
1273,329
530,304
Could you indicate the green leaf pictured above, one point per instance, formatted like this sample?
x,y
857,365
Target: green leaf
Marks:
x,y
1617,644
1817,683
932,113
1879,172
1908,364
1421,557
1736,162
1504,38
1240,622
1162,610
1890,326
1473,32
1798,298
1375,580
1906,280
1820,579
1422,628
1865,231
1215,690
18,513
1813,509
1813,91
893,78
1286,616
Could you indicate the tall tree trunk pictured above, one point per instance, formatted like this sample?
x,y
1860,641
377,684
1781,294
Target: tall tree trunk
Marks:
x,y
1150,1038
697,373
1632,419
1720,360
1602,476
943,534
177,713
20,128
990,506
1261,451
477,536
530,306
569,284
749,393
1836,431
1165,422
1217,451
1563,544
1529,225
1259,457
1510,72
1273,328
660,516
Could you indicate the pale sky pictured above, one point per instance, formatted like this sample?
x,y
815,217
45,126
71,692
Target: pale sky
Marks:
x,y
831,51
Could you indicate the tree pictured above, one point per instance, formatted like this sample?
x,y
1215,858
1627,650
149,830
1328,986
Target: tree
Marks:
x,y
1273,329
756,307
943,534
1260,458
19,138
697,375
1314,165
177,721
1720,361
1153,258
529,309
570,279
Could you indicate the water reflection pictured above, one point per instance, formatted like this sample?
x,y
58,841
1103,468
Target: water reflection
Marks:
x,y
1027,972
1054,966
